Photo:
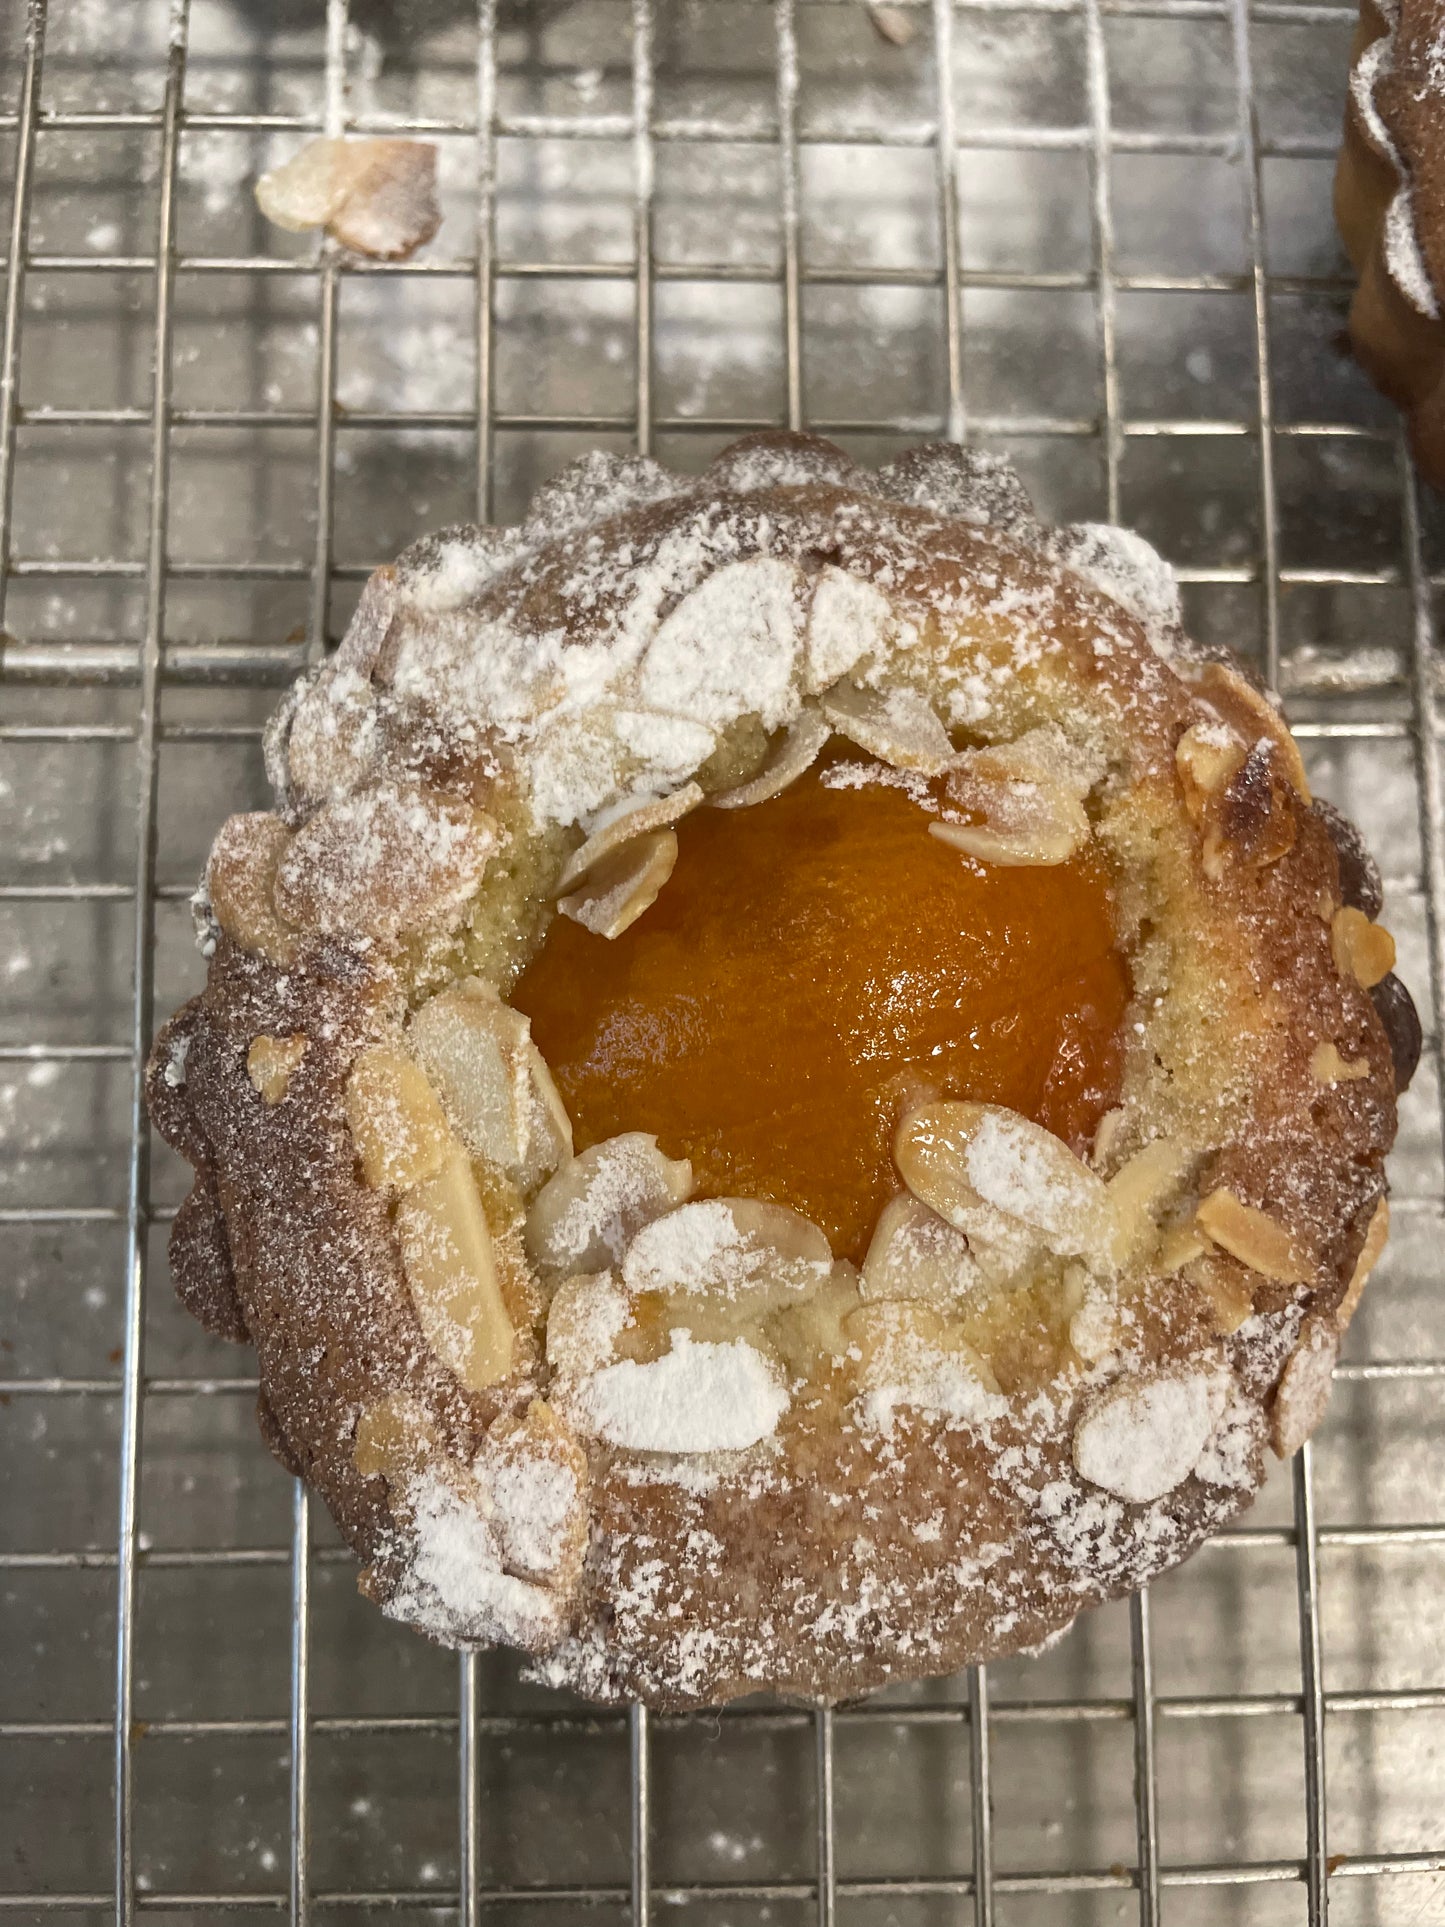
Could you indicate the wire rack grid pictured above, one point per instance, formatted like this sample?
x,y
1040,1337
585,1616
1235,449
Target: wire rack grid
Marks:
x,y
1093,233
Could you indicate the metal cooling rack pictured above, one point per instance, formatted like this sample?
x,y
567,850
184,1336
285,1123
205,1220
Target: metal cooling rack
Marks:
x,y
1093,233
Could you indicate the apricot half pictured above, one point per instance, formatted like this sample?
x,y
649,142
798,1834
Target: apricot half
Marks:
x,y
813,964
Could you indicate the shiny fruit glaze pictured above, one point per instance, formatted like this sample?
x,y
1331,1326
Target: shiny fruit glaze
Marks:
x,y
813,963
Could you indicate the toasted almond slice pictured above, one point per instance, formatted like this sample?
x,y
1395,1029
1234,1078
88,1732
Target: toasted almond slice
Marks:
x,y
727,1247
587,1312
397,1124
395,1439
270,1062
334,738
699,1397
1361,949
1028,822
1227,1286
1137,1192
1044,753
1376,1237
910,1356
1328,1067
1180,1246
446,1252
799,748
625,827
493,1080
533,1472
1304,1387
1141,1437
620,886
897,725
584,1218
988,1170
914,1253
1206,756
384,860
241,879
1254,1237
1216,679
376,196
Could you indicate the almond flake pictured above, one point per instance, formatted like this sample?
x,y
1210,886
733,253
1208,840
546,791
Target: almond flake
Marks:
x,y
1254,1237
270,1062
1361,949
1328,1067
626,826
619,887
898,726
801,745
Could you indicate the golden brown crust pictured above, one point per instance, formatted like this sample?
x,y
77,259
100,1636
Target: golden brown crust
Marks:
x,y
1390,210
865,1538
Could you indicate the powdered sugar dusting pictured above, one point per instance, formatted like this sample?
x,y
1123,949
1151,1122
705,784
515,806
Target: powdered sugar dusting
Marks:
x,y
1140,1438
700,1397
454,1586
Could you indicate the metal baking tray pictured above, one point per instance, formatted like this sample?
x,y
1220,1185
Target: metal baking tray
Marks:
x,y
1093,234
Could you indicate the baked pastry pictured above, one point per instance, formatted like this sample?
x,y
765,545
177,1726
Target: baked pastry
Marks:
x,y
1390,209
930,1158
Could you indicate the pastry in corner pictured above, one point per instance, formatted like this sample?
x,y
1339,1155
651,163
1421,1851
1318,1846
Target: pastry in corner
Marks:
x,y
1390,209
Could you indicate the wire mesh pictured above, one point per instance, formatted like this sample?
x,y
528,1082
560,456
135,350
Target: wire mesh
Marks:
x,y
1092,233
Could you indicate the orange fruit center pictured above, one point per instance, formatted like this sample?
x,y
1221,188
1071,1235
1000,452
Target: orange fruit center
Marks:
x,y
813,964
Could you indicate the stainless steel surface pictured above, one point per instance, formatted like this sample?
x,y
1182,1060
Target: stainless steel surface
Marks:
x,y
1092,233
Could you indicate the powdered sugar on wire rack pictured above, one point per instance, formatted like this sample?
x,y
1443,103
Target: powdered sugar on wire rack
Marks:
x,y
661,226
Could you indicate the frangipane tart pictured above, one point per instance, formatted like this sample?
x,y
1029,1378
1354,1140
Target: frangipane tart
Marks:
x,y
795,1089
1390,210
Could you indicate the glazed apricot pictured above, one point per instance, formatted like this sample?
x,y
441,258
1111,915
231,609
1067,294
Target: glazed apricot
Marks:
x,y
813,964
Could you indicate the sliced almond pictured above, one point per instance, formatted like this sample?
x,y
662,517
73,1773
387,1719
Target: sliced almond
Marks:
x,y
728,1248
1141,1437
1254,1237
1180,1246
1028,821
376,196
396,1438
1206,756
810,1333
798,749
240,881
384,861
446,1252
1361,949
910,1356
898,726
700,1397
397,1123
992,1173
1376,1238
1217,681
1226,1286
1045,752
620,886
334,737
1304,1387
1137,1193
270,1062
533,1475
624,827
584,1218
587,1312
1328,1067
493,1081
916,1254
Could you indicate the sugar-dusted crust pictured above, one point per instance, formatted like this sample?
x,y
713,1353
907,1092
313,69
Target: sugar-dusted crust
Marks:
x,y
1390,209
500,693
